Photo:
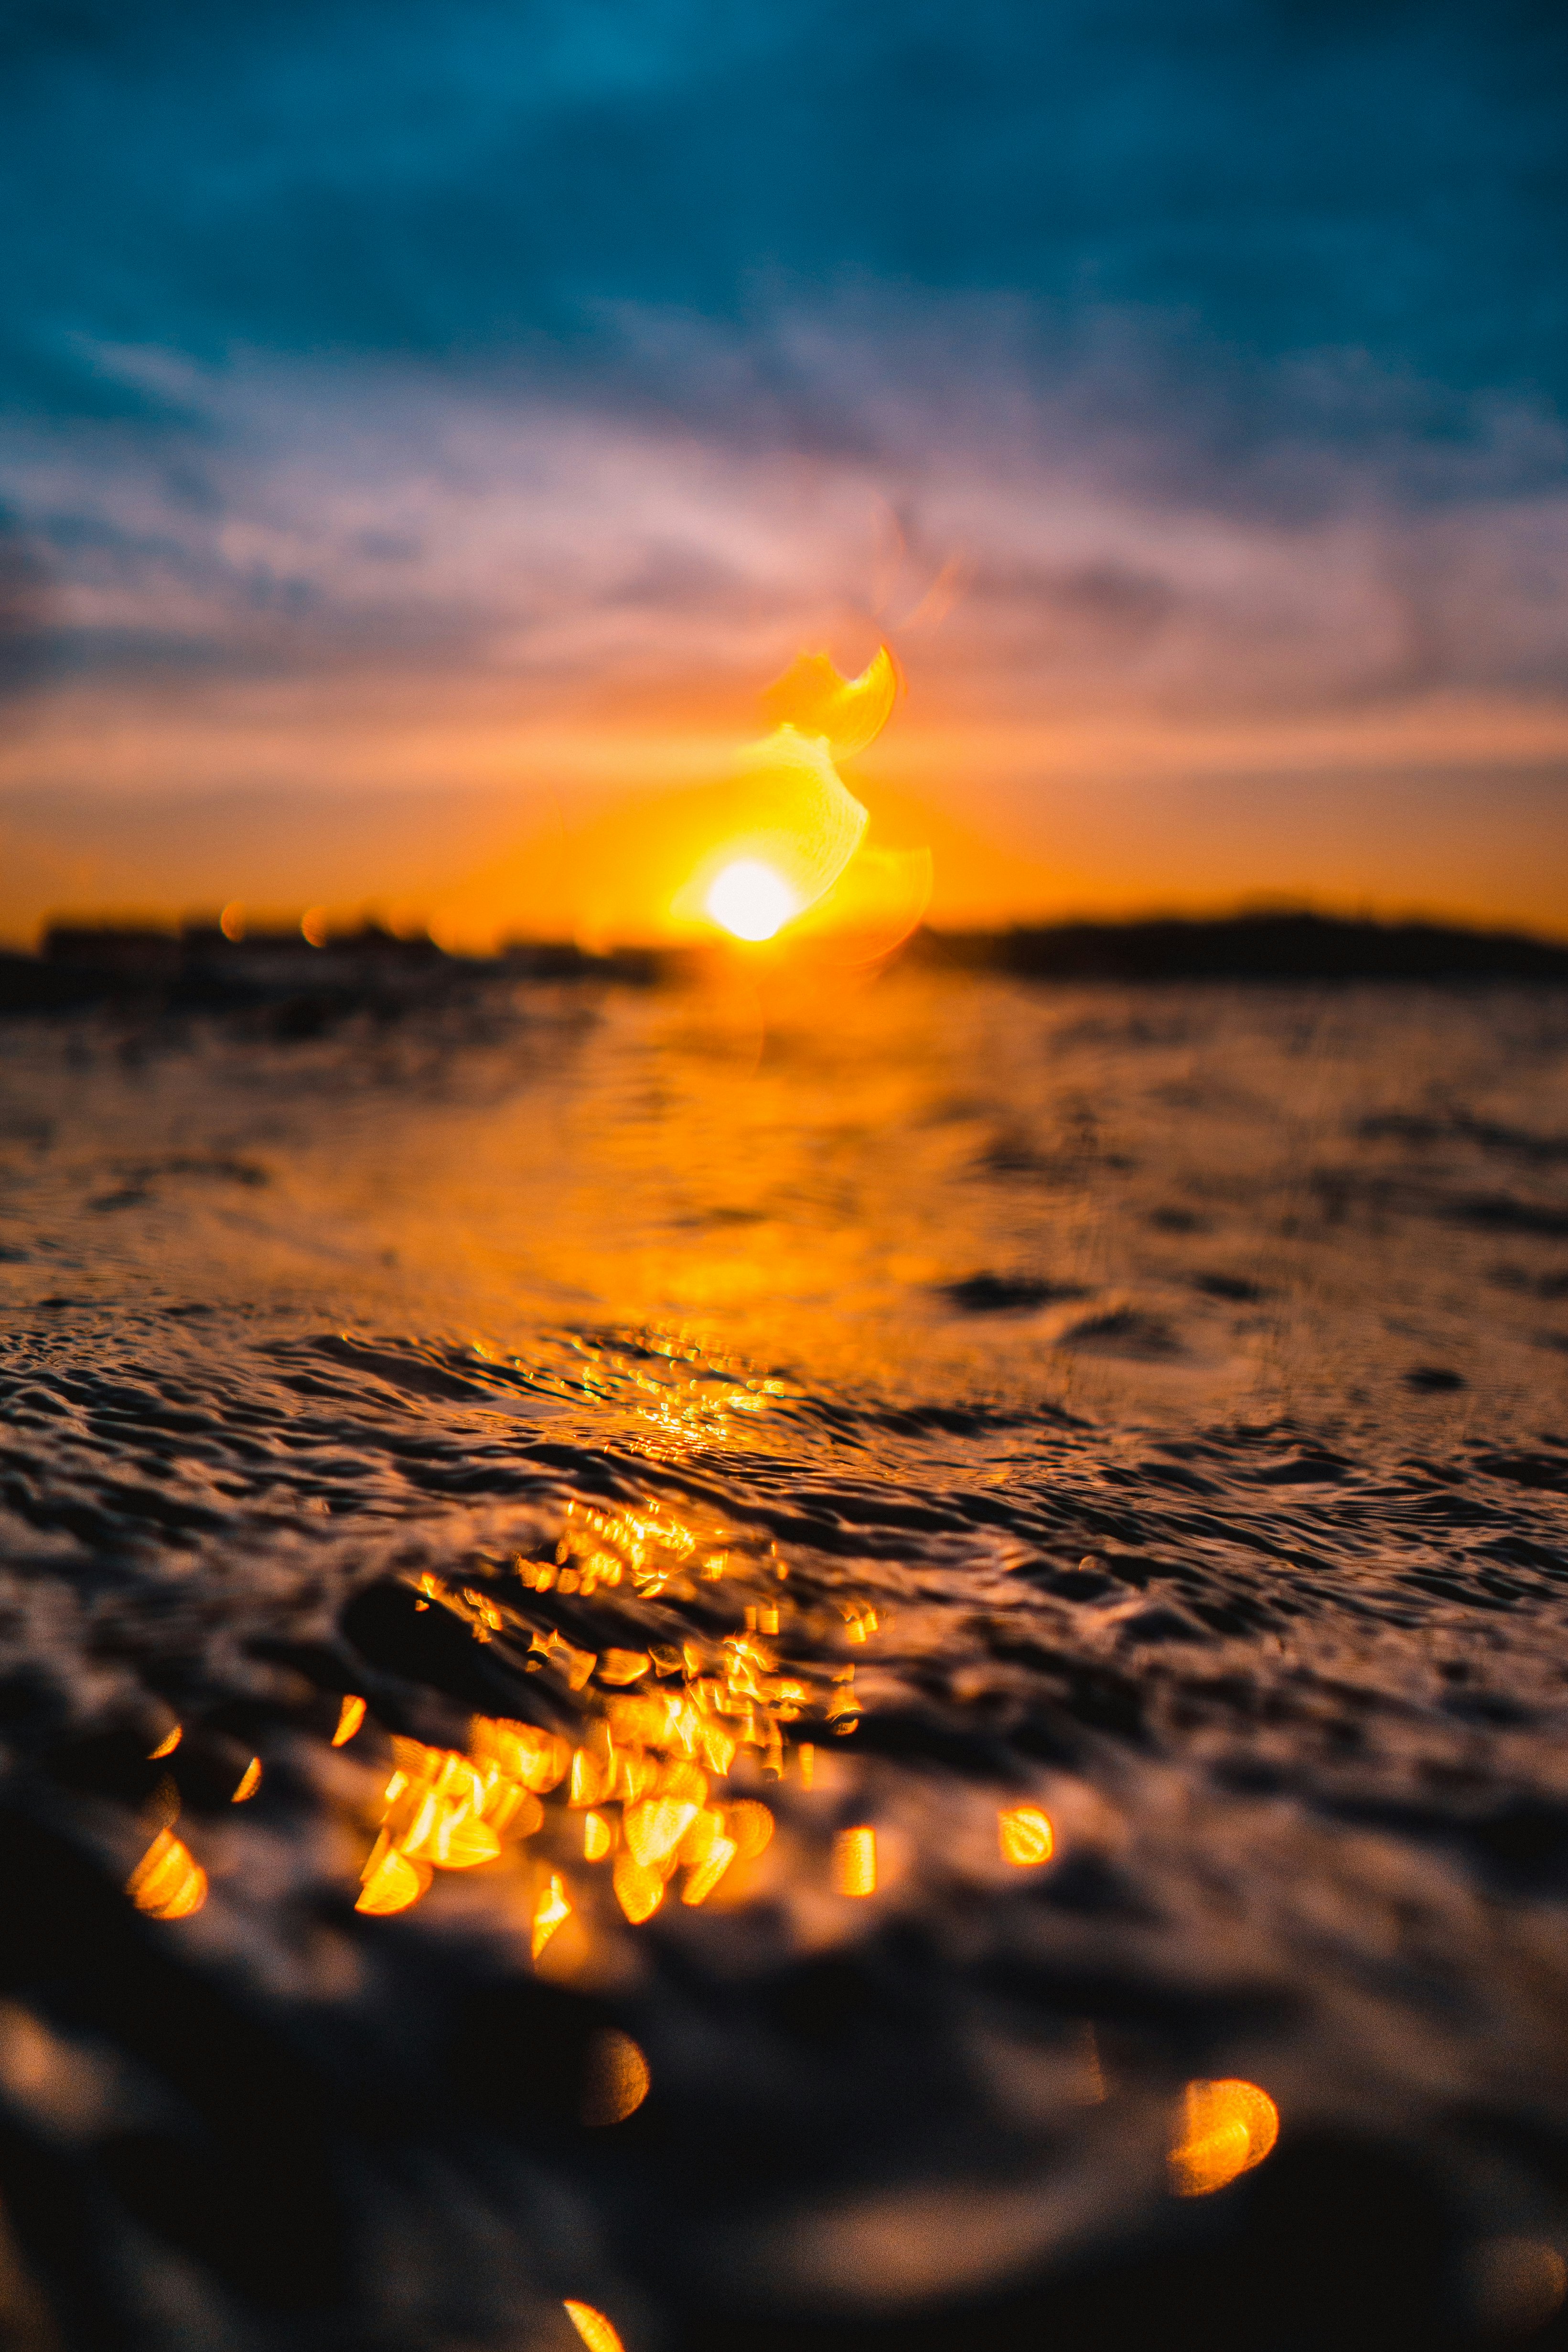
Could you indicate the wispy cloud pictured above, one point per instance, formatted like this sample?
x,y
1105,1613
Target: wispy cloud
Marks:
x,y
317,530
489,396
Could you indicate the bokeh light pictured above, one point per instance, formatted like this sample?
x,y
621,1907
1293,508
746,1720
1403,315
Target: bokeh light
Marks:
x,y
1227,2127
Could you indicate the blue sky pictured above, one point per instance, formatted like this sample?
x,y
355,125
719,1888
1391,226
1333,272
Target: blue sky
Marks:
x,y
1216,354
476,179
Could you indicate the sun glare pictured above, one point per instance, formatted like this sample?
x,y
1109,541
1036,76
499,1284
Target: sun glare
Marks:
x,y
750,901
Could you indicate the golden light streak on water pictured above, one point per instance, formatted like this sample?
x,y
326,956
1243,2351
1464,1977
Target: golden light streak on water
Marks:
x,y
1026,1836
436,1804
593,2327
844,1707
706,1873
1227,2127
390,1881
552,1909
639,1888
656,1827
351,1715
659,1729
617,1667
855,1862
167,1883
618,2079
750,1824
520,1751
465,1843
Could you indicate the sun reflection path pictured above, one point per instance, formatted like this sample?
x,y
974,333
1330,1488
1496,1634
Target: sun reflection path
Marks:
x,y
847,712
654,1786
650,1789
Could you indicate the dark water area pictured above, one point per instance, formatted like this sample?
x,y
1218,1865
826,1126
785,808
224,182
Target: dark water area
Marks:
x,y
785,1453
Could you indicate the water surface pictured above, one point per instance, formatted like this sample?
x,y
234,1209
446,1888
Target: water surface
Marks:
x,y
1144,1409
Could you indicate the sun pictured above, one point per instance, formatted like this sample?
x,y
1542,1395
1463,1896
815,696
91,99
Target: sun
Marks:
x,y
750,901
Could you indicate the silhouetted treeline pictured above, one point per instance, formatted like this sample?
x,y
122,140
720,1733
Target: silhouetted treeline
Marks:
x,y
1252,947
297,989
293,987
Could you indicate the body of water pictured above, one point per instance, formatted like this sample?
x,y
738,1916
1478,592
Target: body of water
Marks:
x,y
934,1570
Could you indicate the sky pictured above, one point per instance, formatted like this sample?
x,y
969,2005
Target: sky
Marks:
x,y
426,429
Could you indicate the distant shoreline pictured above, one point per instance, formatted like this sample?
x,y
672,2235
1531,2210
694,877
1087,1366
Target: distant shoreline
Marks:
x,y
1262,946
301,989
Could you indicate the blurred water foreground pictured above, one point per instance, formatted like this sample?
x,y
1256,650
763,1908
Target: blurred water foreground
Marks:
x,y
860,1662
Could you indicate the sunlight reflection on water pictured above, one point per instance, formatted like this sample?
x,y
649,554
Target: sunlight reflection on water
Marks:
x,y
960,1591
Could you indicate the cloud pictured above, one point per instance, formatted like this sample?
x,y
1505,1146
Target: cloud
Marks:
x,y
495,393
325,528
481,177
583,349
30,641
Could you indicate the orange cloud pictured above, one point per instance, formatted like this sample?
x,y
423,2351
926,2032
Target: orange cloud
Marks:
x,y
530,636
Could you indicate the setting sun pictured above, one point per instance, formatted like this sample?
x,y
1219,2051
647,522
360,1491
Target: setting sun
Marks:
x,y
750,900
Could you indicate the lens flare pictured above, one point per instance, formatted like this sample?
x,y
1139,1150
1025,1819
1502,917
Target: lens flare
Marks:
x,y
787,825
750,901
